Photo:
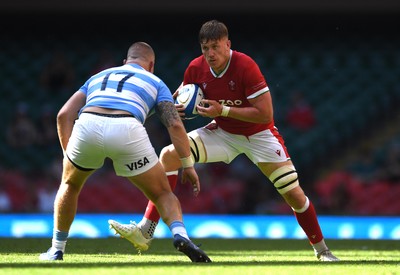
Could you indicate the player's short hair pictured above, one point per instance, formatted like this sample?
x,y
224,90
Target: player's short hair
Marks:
x,y
212,30
141,50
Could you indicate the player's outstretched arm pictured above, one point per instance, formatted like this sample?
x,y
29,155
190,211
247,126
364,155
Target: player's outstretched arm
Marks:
x,y
170,118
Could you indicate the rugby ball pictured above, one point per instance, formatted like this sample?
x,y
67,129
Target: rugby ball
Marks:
x,y
190,95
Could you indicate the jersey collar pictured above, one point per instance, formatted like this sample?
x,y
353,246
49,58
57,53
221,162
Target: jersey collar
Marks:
x,y
225,69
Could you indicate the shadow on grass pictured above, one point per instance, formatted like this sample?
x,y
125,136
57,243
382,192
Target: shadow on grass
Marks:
x,y
212,246
66,264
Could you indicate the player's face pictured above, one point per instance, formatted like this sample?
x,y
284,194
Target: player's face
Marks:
x,y
217,53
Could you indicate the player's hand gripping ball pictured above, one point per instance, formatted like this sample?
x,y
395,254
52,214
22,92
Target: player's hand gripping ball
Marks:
x,y
190,95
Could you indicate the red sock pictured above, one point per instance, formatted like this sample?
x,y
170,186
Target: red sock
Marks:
x,y
309,222
151,210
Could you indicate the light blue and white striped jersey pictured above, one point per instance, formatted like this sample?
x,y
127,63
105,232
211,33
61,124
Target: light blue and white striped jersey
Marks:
x,y
129,87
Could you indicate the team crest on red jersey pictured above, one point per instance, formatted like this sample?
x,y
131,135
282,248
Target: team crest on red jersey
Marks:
x,y
204,85
232,85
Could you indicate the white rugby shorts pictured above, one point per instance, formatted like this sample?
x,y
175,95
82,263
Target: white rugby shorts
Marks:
x,y
219,145
124,140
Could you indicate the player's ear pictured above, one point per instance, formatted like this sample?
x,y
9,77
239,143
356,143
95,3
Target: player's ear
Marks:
x,y
124,61
151,66
228,43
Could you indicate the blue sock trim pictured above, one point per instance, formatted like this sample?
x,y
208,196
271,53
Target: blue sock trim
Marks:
x,y
60,235
175,224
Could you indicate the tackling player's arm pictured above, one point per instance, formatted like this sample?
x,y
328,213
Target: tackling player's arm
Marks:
x,y
67,115
261,110
171,120
177,132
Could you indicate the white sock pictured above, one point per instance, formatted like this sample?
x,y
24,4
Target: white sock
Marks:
x,y
148,227
59,241
320,246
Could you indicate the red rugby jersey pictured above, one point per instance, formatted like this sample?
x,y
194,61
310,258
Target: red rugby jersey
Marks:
x,y
241,79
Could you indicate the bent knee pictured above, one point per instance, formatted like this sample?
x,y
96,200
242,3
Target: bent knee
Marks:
x,y
284,179
169,158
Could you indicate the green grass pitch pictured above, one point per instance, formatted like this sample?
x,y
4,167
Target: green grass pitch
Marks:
x,y
229,256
